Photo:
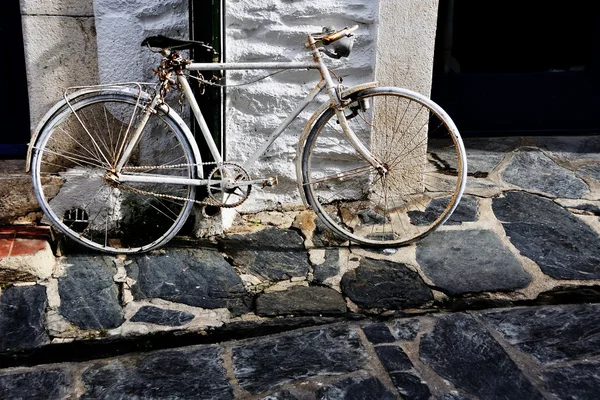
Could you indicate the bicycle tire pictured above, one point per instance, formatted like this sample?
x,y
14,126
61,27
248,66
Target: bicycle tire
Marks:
x,y
425,162
71,163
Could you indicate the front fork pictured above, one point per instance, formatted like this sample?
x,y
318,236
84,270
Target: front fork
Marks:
x,y
339,105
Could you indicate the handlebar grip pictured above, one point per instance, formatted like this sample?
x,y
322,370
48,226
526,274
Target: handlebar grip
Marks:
x,y
338,35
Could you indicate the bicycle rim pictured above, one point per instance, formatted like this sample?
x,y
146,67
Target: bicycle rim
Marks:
x,y
422,180
71,167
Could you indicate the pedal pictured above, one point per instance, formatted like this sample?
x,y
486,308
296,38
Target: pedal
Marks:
x,y
269,182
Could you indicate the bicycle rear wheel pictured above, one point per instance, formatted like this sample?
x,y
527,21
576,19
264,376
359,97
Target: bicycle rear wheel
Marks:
x,y
73,177
424,168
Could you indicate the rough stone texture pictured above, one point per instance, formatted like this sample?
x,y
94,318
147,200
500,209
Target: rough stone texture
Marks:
x,y
356,388
17,197
200,278
301,300
460,350
470,261
298,355
378,333
22,318
575,381
88,296
175,374
328,268
273,254
406,329
160,316
550,334
48,384
592,171
466,211
533,170
393,358
283,395
485,154
561,244
385,284
410,386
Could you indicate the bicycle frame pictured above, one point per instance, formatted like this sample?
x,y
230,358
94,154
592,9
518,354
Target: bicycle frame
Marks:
x,y
325,82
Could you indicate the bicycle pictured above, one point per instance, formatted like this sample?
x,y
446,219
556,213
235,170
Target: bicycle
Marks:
x,y
116,169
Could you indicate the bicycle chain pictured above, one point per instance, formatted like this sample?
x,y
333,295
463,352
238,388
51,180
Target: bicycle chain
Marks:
x,y
171,197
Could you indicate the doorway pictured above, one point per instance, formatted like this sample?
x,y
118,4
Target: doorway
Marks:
x,y
512,67
14,103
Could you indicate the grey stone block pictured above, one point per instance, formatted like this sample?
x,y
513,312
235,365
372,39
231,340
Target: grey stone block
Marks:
x,y
22,311
298,355
561,244
196,277
88,295
460,350
385,284
470,261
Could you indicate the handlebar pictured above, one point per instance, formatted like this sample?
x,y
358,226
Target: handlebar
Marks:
x,y
332,37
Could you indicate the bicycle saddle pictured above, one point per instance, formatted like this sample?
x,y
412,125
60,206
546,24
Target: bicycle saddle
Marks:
x,y
163,42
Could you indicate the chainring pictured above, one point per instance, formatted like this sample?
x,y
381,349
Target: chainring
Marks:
x,y
223,186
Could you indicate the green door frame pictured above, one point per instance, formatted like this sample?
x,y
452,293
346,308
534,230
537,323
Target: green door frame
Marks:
x,y
208,27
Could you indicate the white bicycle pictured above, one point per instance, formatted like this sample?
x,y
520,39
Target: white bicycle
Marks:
x,y
117,169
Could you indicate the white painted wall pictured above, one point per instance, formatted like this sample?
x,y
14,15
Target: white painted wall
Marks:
x,y
394,44
276,30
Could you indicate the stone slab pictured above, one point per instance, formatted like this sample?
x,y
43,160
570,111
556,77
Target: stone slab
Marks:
x,y
463,352
22,310
301,300
550,334
326,351
160,316
561,244
196,277
575,381
385,284
190,373
47,384
470,261
274,254
533,170
356,388
89,298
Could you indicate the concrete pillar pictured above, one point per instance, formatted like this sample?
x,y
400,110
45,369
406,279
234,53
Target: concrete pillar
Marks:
x,y
405,50
60,50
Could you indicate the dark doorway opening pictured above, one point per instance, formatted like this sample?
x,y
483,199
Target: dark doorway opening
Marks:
x,y
207,26
519,67
14,102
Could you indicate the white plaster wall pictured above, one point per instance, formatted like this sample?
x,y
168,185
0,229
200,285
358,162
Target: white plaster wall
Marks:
x,y
121,27
394,43
60,50
275,30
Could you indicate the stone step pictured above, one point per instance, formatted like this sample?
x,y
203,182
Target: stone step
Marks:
x,y
25,254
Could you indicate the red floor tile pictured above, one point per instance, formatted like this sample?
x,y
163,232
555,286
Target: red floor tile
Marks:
x,y
5,247
23,240
27,247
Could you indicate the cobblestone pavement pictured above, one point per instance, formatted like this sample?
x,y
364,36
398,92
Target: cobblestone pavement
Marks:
x,y
498,303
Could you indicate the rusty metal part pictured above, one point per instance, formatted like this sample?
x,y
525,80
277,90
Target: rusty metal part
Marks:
x,y
330,38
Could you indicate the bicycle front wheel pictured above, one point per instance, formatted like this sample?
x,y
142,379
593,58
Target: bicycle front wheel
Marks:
x,y
419,186
73,174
